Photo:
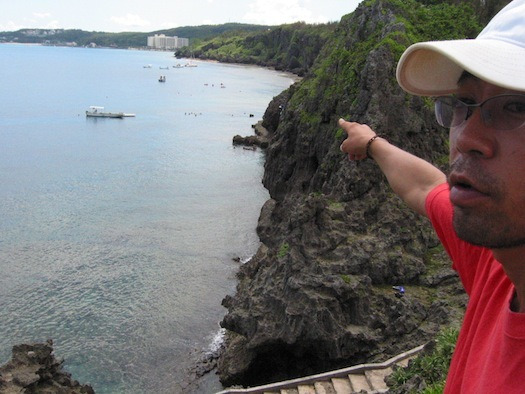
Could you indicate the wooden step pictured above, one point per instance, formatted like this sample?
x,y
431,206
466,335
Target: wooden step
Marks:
x,y
376,377
342,385
359,382
324,387
306,389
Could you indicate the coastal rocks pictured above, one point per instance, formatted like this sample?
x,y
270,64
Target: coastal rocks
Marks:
x,y
260,139
33,368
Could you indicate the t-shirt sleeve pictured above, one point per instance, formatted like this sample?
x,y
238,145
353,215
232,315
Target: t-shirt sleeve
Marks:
x,y
465,256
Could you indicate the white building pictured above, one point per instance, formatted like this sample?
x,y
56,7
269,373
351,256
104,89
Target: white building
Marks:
x,y
160,41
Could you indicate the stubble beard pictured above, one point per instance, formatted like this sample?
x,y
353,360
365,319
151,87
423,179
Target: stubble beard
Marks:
x,y
490,230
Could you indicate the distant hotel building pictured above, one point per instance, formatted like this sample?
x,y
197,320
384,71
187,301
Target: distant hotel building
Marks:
x,y
160,41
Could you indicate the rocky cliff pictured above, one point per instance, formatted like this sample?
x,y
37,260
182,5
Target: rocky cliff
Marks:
x,y
345,272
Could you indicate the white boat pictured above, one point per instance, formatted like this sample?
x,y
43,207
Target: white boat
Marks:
x,y
98,112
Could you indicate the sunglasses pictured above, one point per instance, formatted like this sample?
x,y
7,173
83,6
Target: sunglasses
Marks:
x,y
503,112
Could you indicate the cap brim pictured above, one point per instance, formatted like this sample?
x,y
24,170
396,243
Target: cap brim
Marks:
x,y
433,68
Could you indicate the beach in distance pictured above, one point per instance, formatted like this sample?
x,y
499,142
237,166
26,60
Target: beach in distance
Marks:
x,y
118,236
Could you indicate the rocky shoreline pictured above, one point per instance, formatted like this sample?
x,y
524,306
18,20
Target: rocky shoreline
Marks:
x,y
33,368
261,138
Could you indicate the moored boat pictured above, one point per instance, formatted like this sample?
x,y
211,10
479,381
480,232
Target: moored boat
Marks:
x,y
98,112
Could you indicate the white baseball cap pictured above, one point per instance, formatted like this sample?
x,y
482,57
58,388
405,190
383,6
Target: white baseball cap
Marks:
x,y
497,56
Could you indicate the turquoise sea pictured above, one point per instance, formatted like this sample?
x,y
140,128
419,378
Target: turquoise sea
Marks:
x,y
117,236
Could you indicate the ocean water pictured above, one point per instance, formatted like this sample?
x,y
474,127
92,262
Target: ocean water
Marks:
x,y
117,236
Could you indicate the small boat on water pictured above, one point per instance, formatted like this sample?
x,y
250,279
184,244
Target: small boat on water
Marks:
x,y
98,112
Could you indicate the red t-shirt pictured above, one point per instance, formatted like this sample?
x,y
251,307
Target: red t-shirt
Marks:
x,y
490,352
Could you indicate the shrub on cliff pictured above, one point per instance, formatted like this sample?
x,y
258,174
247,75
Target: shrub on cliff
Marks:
x,y
426,374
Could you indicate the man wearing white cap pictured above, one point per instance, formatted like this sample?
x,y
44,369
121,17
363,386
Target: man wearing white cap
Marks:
x,y
478,210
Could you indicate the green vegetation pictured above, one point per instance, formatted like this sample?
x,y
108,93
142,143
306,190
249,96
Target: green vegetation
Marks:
x,y
339,134
283,250
434,257
431,367
440,21
336,205
346,278
335,80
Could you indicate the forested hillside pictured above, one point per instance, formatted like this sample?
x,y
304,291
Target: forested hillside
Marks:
x,y
125,39
292,47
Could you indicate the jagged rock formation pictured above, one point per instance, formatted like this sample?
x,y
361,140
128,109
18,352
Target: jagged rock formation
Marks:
x,y
34,369
319,293
260,139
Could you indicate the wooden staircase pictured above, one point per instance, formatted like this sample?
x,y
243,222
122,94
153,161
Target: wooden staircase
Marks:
x,y
363,378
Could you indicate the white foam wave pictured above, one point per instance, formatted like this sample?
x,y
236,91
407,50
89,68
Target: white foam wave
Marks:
x,y
217,341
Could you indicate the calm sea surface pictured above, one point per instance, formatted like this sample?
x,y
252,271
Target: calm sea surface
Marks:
x,y
117,235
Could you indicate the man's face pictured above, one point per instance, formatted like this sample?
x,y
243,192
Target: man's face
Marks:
x,y
487,175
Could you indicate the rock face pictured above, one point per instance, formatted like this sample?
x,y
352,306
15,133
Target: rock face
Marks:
x,y
34,369
335,240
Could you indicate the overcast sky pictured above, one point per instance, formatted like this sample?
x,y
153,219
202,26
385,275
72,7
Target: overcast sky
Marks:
x,y
151,15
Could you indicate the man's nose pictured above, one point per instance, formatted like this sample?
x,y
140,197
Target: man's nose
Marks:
x,y
473,136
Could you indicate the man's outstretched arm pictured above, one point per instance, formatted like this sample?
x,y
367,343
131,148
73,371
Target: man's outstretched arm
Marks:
x,y
411,177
